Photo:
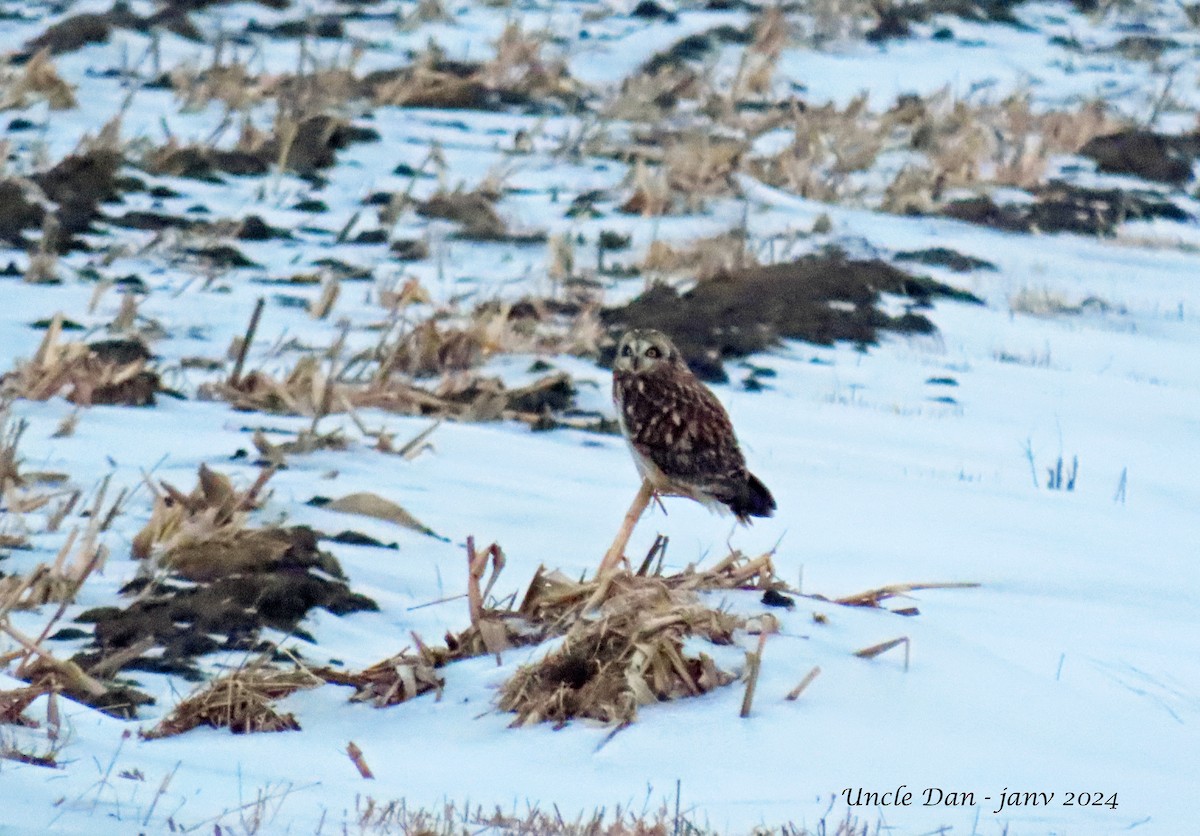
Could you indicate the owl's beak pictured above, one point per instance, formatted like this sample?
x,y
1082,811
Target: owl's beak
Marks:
x,y
635,362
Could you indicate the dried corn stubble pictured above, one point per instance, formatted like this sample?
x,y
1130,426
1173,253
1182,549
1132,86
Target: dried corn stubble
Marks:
x,y
518,74
81,373
49,675
704,258
214,510
631,655
37,80
624,644
395,680
13,703
241,701
629,627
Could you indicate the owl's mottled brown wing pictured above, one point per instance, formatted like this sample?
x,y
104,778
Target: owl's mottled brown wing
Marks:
x,y
680,426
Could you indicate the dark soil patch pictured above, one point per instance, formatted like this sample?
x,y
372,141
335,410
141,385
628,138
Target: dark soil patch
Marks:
x,y
823,299
205,163
77,31
17,213
986,212
1061,207
478,218
79,184
895,17
314,147
231,590
466,85
152,221
326,26
1158,157
317,140
1144,47
120,352
73,33
254,228
453,87
1065,208
357,538
943,257
649,10
409,249
140,389
222,257
370,236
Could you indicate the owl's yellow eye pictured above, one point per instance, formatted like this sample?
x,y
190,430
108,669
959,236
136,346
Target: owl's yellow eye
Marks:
x,y
653,353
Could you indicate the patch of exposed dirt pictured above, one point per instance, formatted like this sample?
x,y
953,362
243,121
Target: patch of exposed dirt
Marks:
x,y
205,163
221,593
17,213
313,147
944,257
822,299
530,83
894,18
79,184
73,33
1061,207
1151,156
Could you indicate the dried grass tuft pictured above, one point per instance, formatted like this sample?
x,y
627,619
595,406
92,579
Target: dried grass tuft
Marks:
x,y
81,374
214,511
623,644
394,680
630,654
702,259
241,701
38,80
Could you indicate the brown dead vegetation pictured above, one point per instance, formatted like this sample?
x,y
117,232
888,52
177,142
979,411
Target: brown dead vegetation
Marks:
x,y
702,259
689,170
302,144
240,700
85,374
447,347
629,656
62,202
519,74
477,216
622,647
400,816
210,574
963,145
45,673
38,80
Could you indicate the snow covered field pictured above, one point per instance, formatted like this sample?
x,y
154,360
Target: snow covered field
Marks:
x,y
1071,672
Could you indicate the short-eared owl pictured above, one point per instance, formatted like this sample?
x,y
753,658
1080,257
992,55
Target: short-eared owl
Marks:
x,y
680,436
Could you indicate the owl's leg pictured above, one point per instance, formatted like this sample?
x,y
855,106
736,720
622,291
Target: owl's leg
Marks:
x,y
616,552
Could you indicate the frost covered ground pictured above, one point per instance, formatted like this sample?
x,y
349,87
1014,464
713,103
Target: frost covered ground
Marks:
x,y
1072,668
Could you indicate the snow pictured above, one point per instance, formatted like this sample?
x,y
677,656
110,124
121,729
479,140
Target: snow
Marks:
x,y
1073,667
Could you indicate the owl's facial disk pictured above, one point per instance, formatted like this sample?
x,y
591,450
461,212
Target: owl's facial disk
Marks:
x,y
642,350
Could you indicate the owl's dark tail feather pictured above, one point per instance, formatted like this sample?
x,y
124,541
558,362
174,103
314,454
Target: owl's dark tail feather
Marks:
x,y
754,501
